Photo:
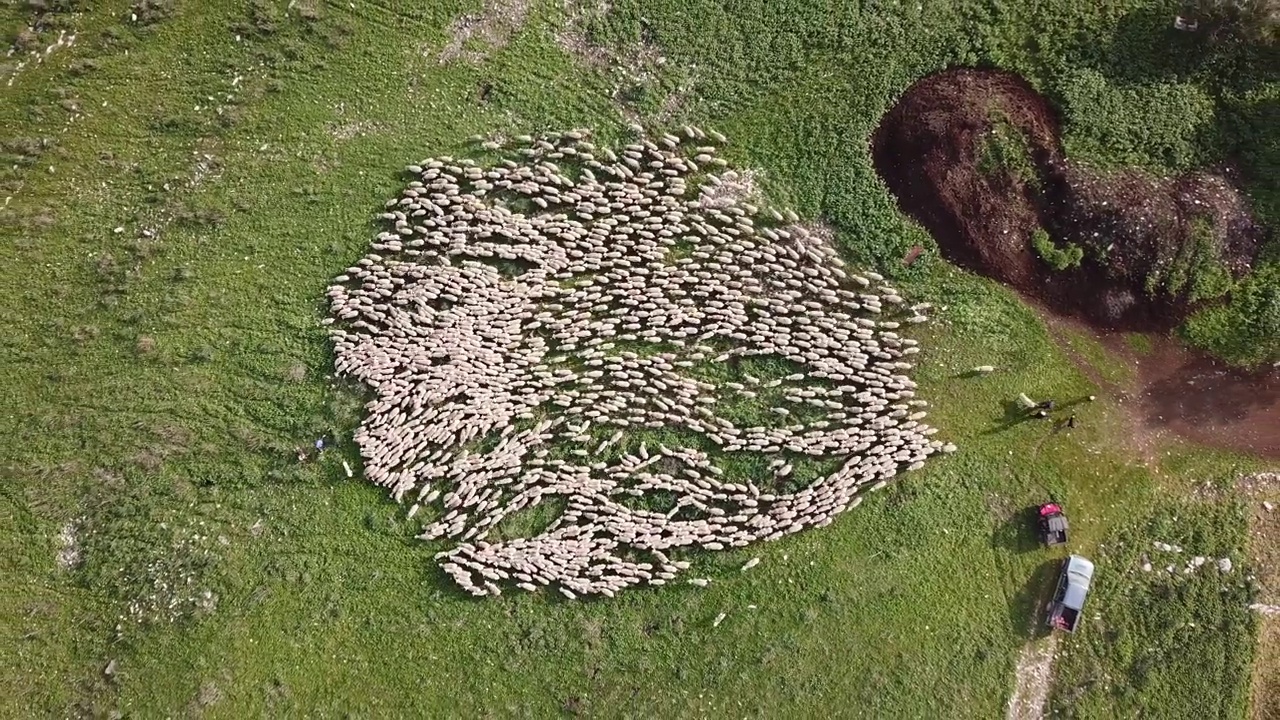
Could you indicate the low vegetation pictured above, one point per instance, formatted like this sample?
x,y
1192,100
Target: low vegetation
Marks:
x,y
1170,604
1005,150
1246,328
181,199
1059,258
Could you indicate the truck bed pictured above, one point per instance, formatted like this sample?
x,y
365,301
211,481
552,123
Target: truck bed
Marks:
x,y
1064,618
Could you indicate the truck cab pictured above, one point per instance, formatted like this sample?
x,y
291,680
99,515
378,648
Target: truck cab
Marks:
x,y
1068,598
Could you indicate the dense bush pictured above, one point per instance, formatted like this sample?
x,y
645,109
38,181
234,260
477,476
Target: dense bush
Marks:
x,y
1157,125
1245,330
1059,259
1248,20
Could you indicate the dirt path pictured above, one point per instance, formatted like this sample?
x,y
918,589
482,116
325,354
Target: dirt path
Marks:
x,y
1177,393
1208,403
1034,673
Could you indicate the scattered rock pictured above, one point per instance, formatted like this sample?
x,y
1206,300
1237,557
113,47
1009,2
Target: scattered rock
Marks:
x,y
68,557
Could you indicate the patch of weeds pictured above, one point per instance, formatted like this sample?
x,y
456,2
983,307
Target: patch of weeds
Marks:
x,y
82,66
200,217
1005,150
264,19
150,12
84,334
308,10
296,372
25,150
26,40
1246,329
1059,259
111,37
1140,344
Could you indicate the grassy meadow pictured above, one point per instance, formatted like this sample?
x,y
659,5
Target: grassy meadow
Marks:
x,y
180,188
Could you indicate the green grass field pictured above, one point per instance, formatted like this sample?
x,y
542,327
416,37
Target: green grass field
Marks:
x,y
181,192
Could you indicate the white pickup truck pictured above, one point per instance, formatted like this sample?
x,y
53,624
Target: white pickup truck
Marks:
x,y
1068,599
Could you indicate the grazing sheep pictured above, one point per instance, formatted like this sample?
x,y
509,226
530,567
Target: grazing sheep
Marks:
x,y
488,337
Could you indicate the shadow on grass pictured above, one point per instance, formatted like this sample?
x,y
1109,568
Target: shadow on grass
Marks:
x,y
1015,413
1026,607
1018,534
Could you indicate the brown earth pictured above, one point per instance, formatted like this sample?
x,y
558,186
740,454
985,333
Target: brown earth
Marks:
x,y
1139,234
1176,392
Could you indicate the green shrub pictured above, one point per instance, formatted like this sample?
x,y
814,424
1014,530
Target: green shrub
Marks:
x,y
1248,20
1211,281
1158,125
1058,258
1246,330
1195,272
1005,149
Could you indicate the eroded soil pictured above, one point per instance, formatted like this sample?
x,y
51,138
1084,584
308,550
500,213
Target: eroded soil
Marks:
x,y
975,157
1141,235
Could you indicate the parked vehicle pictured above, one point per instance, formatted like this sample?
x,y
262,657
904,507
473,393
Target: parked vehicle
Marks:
x,y
1052,524
1068,599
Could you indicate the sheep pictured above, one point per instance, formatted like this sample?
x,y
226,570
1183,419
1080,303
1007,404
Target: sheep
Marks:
x,y
597,244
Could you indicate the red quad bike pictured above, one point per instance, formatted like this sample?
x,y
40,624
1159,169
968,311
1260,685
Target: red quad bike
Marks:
x,y
1052,524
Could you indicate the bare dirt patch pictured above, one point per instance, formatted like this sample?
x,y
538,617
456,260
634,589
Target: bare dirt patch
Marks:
x,y
975,157
1174,392
1203,400
354,129
1034,673
68,557
473,36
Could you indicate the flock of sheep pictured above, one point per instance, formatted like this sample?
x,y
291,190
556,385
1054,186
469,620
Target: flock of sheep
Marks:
x,y
574,324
